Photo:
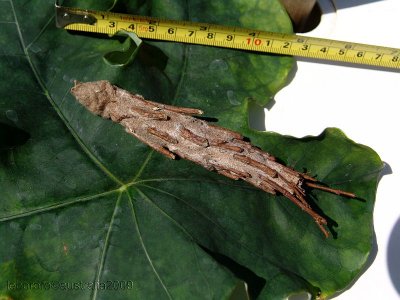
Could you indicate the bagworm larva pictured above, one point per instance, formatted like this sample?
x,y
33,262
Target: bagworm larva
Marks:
x,y
172,131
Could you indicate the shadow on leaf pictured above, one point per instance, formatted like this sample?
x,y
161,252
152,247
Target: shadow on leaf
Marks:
x,y
254,282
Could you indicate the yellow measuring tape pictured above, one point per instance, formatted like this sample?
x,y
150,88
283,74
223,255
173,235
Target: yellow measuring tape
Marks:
x,y
227,37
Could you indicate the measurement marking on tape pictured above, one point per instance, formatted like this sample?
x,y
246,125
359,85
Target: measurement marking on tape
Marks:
x,y
227,37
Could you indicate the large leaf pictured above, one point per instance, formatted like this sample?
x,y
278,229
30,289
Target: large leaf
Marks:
x,y
82,201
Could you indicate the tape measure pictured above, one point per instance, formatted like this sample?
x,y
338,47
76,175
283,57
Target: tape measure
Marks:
x,y
225,36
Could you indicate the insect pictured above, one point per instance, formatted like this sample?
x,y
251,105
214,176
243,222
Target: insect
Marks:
x,y
174,132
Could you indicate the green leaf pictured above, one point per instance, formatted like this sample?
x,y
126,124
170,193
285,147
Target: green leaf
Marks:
x,y
87,211
127,53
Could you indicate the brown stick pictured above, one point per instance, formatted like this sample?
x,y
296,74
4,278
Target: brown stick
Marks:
x,y
330,190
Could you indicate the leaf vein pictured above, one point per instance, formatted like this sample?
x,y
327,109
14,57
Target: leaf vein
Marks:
x,y
35,72
41,32
234,240
105,246
148,199
142,167
194,245
136,221
221,182
50,207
